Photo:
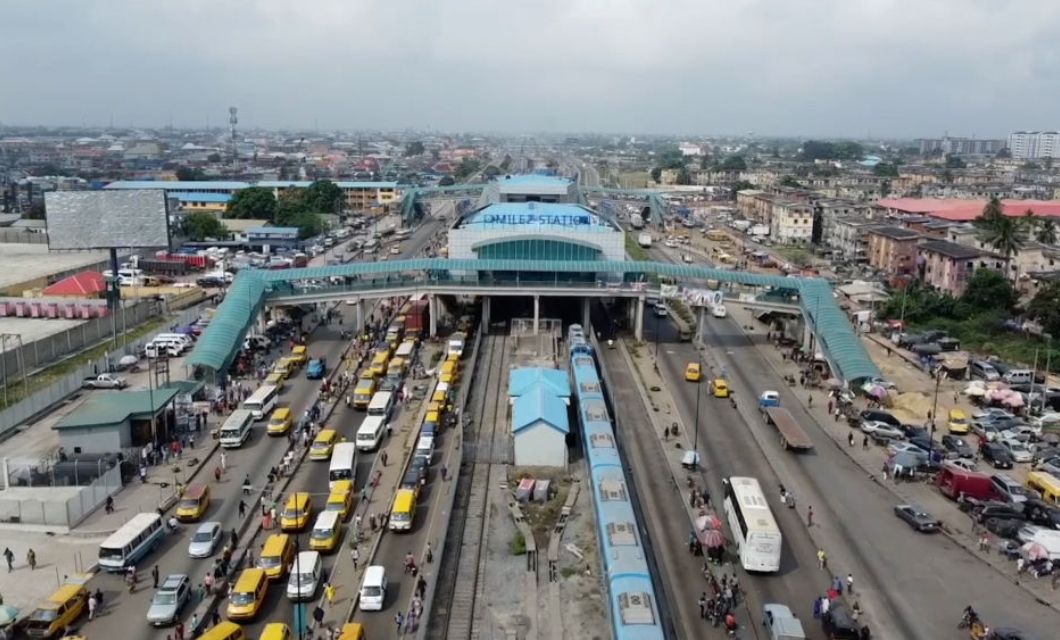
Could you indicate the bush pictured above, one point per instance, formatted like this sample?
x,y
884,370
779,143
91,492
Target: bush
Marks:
x,y
518,545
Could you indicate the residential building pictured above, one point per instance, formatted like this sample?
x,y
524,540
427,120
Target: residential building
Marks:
x,y
360,196
754,204
847,236
960,146
1032,145
689,149
213,202
892,250
791,222
947,266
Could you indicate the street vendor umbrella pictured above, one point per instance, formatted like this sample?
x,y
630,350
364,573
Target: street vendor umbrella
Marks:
x,y
1034,551
8,614
128,361
1013,400
707,522
711,538
975,391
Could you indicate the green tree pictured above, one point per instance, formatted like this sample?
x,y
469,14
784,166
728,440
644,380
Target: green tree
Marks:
x,y
492,171
886,169
1044,307
789,181
190,174
203,225
955,162
213,158
988,289
1004,236
253,203
992,213
656,174
734,163
309,224
683,177
704,162
1046,233
446,181
467,168
324,196
414,149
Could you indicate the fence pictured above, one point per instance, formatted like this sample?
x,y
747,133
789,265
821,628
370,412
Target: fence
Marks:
x,y
38,402
20,236
62,510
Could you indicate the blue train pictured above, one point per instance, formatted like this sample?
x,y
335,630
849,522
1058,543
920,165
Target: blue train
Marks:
x,y
635,613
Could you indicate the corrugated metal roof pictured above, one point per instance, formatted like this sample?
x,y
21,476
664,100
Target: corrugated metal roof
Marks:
x,y
221,340
113,407
178,186
522,380
202,197
539,404
281,184
834,330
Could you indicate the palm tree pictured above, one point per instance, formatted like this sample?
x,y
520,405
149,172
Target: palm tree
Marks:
x,y
1005,236
1046,232
991,215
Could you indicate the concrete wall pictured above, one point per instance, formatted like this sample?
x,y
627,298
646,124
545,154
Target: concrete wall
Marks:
x,y
103,439
41,353
55,506
540,446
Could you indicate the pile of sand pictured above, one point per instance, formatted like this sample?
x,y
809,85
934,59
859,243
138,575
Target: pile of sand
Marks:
x,y
911,407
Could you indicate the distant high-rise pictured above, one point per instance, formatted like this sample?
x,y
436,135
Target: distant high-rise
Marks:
x,y
960,146
1031,145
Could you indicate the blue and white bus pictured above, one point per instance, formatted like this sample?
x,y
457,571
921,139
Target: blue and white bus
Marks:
x,y
134,540
752,524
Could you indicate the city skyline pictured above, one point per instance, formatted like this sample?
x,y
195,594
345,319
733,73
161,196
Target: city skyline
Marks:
x,y
823,68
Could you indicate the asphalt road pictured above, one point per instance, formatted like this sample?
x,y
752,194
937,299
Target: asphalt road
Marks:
x,y
124,613
914,586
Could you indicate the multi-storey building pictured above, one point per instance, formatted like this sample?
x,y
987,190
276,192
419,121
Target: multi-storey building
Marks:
x,y
947,266
791,222
1031,145
892,250
960,146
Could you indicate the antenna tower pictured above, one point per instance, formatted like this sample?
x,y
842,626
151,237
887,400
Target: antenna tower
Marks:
x,y
233,121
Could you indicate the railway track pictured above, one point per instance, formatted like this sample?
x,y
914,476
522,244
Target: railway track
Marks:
x,y
485,441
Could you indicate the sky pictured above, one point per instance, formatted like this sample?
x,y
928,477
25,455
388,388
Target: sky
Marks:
x,y
839,68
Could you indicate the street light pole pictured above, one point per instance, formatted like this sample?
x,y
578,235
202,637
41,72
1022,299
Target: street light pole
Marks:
x,y
699,393
935,405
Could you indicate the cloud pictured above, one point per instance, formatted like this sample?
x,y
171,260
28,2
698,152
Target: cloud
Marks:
x,y
814,67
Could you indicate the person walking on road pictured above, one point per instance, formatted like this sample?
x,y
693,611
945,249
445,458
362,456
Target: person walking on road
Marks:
x,y
224,462
31,559
809,516
821,559
850,584
355,555
92,604
242,509
154,575
329,593
10,557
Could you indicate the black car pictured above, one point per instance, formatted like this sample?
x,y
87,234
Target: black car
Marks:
x,y
999,511
917,517
839,624
914,431
1008,633
875,415
1041,513
958,445
422,466
997,455
412,479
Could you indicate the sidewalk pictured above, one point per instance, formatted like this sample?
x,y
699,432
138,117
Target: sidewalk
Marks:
x,y
956,525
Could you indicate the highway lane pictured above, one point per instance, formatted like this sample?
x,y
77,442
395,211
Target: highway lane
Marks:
x,y
913,586
727,448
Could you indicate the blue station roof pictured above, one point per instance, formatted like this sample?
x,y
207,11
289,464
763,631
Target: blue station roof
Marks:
x,y
523,380
539,405
539,216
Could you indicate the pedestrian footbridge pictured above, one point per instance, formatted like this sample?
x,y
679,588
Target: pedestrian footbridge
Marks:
x,y
253,290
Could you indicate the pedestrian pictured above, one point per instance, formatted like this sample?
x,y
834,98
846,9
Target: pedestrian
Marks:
x,y
329,593
382,456
703,605
850,439
31,559
143,474
400,621
242,509
217,474
318,615
429,555
357,521
821,559
234,538
224,462
108,507
809,516
179,632
830,405
445,471
850,584
92,604
355,555
865,442
154,576
10,557
421,587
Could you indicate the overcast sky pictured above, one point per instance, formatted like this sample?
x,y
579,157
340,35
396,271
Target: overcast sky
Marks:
x,y
790,67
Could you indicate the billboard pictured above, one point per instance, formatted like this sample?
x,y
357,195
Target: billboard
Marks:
x,y
107,219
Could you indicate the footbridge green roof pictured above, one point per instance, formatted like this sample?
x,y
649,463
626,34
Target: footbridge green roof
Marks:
x,y
226,331
246,297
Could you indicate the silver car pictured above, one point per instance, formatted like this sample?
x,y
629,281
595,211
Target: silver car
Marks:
x,y
205,540
169,600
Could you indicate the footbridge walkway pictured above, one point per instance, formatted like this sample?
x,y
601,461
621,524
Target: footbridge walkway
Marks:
x,y
253,290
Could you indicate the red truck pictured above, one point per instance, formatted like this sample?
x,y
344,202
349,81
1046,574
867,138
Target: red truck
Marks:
x,y
953,481
418,318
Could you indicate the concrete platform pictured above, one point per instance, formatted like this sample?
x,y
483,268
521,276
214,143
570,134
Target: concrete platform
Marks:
x,y
25,263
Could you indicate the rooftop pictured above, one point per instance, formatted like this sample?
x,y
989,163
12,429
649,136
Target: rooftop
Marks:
x,y
544,216
894,233
219,198
223,185
539,404
114,407
966,210
533,183
953,250
267,231
522,380
28,262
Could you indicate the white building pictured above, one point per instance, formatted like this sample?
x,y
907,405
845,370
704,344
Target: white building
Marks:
x,y
792,223
1032,145
540,427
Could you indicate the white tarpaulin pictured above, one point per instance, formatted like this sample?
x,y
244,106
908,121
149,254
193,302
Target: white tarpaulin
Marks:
x,y
702,297
668,291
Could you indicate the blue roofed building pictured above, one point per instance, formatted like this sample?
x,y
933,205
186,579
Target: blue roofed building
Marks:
x,y
359,195
212,202
524,380
540,425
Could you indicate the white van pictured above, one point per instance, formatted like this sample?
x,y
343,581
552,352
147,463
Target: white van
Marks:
x,y
162,350
425,447
381,405
370,434
306,570
1018,376
373,589
175,337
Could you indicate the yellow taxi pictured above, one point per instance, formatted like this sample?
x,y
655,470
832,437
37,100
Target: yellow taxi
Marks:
x,y
326,532
693,372
299,355
719,388
276,631
296,512
194,502
341,498
283,367
352,631
248,595
957,422
279,422
323,444
275,379
276,554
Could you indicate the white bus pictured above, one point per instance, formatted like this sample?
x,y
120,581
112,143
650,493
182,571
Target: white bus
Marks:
x,y
381,405
402,234
752,524
343,463
262,401
370,433
134,540
236,429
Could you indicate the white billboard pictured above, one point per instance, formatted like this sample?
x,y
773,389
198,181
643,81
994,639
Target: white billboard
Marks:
x,y
107,219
